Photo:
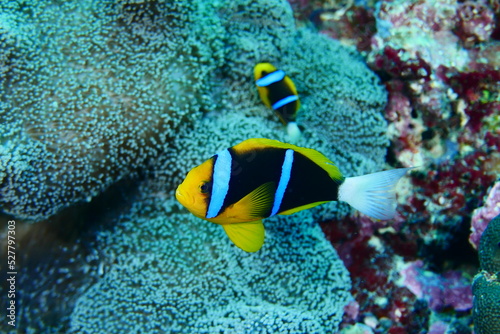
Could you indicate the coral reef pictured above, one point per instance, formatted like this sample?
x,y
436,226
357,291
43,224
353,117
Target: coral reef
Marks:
x,y
486,284
489,247
439,62
478,89
475,22
383,305
157,113
483,215
449,289
94,93
486,289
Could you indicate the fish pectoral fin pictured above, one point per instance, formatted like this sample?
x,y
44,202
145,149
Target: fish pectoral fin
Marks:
x,y
256,205
247,236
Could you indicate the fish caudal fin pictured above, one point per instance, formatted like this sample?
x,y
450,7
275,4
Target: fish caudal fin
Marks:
x,y
293,132
373,194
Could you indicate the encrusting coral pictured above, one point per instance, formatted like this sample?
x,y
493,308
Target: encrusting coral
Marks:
x,y
483,215
489,247
486,284
162,268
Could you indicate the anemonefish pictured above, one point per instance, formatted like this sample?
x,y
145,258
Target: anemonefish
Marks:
x,y
278,92
260,178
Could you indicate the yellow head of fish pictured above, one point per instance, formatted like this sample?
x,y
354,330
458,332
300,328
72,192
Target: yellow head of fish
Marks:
x,y
194,191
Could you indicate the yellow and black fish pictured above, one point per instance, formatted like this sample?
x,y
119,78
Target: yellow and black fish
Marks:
x,y
278,92
260,178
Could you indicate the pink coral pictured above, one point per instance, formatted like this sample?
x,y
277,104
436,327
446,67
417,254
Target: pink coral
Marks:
x,y
439,327
404,129
475,23
450,289
351,310
483,215
370,261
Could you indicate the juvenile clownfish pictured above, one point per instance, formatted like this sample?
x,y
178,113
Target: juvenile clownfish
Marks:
x,y
260,178
278,92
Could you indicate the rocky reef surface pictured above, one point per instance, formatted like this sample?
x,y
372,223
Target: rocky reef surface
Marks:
x,y
104,108
439,62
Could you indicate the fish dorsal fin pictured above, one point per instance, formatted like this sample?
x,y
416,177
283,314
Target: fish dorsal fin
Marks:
x,y
247,236
292,87
313,155
256,205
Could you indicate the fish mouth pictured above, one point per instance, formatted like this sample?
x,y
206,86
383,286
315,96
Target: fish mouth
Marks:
x,y
182,198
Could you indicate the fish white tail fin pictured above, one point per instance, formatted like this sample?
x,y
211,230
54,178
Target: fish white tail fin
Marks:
x,y
373,194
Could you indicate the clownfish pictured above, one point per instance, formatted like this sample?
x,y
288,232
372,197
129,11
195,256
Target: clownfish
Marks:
x,y
260,178
278,92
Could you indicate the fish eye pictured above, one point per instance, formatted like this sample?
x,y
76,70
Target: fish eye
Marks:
x,y
205,187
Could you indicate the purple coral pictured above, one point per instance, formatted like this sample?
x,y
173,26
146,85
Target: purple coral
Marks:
x,y
483,215
396,63
449,289
475,22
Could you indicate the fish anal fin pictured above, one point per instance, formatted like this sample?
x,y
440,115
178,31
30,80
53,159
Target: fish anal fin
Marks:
x,y
247,236
256,205
300,208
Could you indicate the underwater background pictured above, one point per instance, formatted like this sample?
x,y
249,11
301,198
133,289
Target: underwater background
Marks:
x,y
105,105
